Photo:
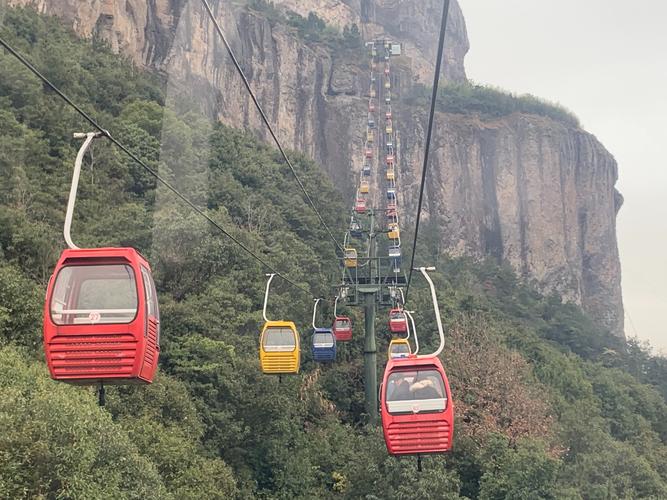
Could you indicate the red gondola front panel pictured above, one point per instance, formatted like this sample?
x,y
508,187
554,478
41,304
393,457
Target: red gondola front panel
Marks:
x,y
417,409
101,318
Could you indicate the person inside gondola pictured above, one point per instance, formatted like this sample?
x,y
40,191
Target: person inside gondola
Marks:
x,y
401,387
425,389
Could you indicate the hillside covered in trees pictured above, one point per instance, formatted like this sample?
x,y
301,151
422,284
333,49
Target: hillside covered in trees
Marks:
x,y
548,405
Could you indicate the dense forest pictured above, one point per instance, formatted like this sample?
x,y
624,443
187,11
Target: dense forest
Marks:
x,y
548,405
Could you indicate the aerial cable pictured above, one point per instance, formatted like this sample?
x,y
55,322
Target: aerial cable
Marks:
x,y
266,121
152,172
434,96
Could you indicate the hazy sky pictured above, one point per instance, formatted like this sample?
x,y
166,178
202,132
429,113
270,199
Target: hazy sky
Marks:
x,y
606,60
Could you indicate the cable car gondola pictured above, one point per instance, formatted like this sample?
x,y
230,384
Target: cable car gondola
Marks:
x,y
389,129
355,229
342,325
390,160
398,348
350,257
324,345
101,319
386,70
397,321
416,401
364,187
394,231
360,206
101,314
324,341
366,170
369,153
416,405
369,136
390,174
371,123
279,346
387,115
387,85
371,107
391,193
395,258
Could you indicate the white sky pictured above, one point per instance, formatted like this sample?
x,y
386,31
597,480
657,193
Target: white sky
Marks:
x,y
606,60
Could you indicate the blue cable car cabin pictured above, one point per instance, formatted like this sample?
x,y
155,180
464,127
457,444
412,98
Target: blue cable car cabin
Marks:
x,y
366,170
356,229
324,345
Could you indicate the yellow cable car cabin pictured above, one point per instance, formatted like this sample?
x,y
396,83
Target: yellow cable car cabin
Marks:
x,y
372,92
387,84
399,348
394,232
350,257
389,129
369,136
279,349
364,187
390,174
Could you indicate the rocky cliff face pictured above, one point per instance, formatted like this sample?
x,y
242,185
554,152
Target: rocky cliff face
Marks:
x,y
529,191
524,189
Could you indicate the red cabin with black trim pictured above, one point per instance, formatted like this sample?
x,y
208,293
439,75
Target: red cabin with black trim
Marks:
x,y
101,318
416,406
342,328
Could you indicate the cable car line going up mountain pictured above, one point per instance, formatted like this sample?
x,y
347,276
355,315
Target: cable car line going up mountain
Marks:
x,y
141,163
266,121
434,96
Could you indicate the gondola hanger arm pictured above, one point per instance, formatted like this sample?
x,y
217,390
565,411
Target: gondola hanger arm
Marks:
x,y
317,301
436,309
266,295
88,136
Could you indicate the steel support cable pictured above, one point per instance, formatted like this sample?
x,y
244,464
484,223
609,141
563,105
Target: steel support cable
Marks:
x,y
429,133
266,121
152,172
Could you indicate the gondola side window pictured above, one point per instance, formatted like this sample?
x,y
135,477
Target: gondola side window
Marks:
x,y
152,308
400,348
323,340
342,324
278,339
416,391
96,294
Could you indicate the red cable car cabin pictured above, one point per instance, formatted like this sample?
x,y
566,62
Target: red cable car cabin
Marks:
x,y
342,328
416,405
101,318
398,323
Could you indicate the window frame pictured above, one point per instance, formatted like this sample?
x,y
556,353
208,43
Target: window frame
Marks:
x,y
412,402
270,350
96,264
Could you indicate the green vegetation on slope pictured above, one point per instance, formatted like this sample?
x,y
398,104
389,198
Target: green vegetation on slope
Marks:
x,y
465,98
548,406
